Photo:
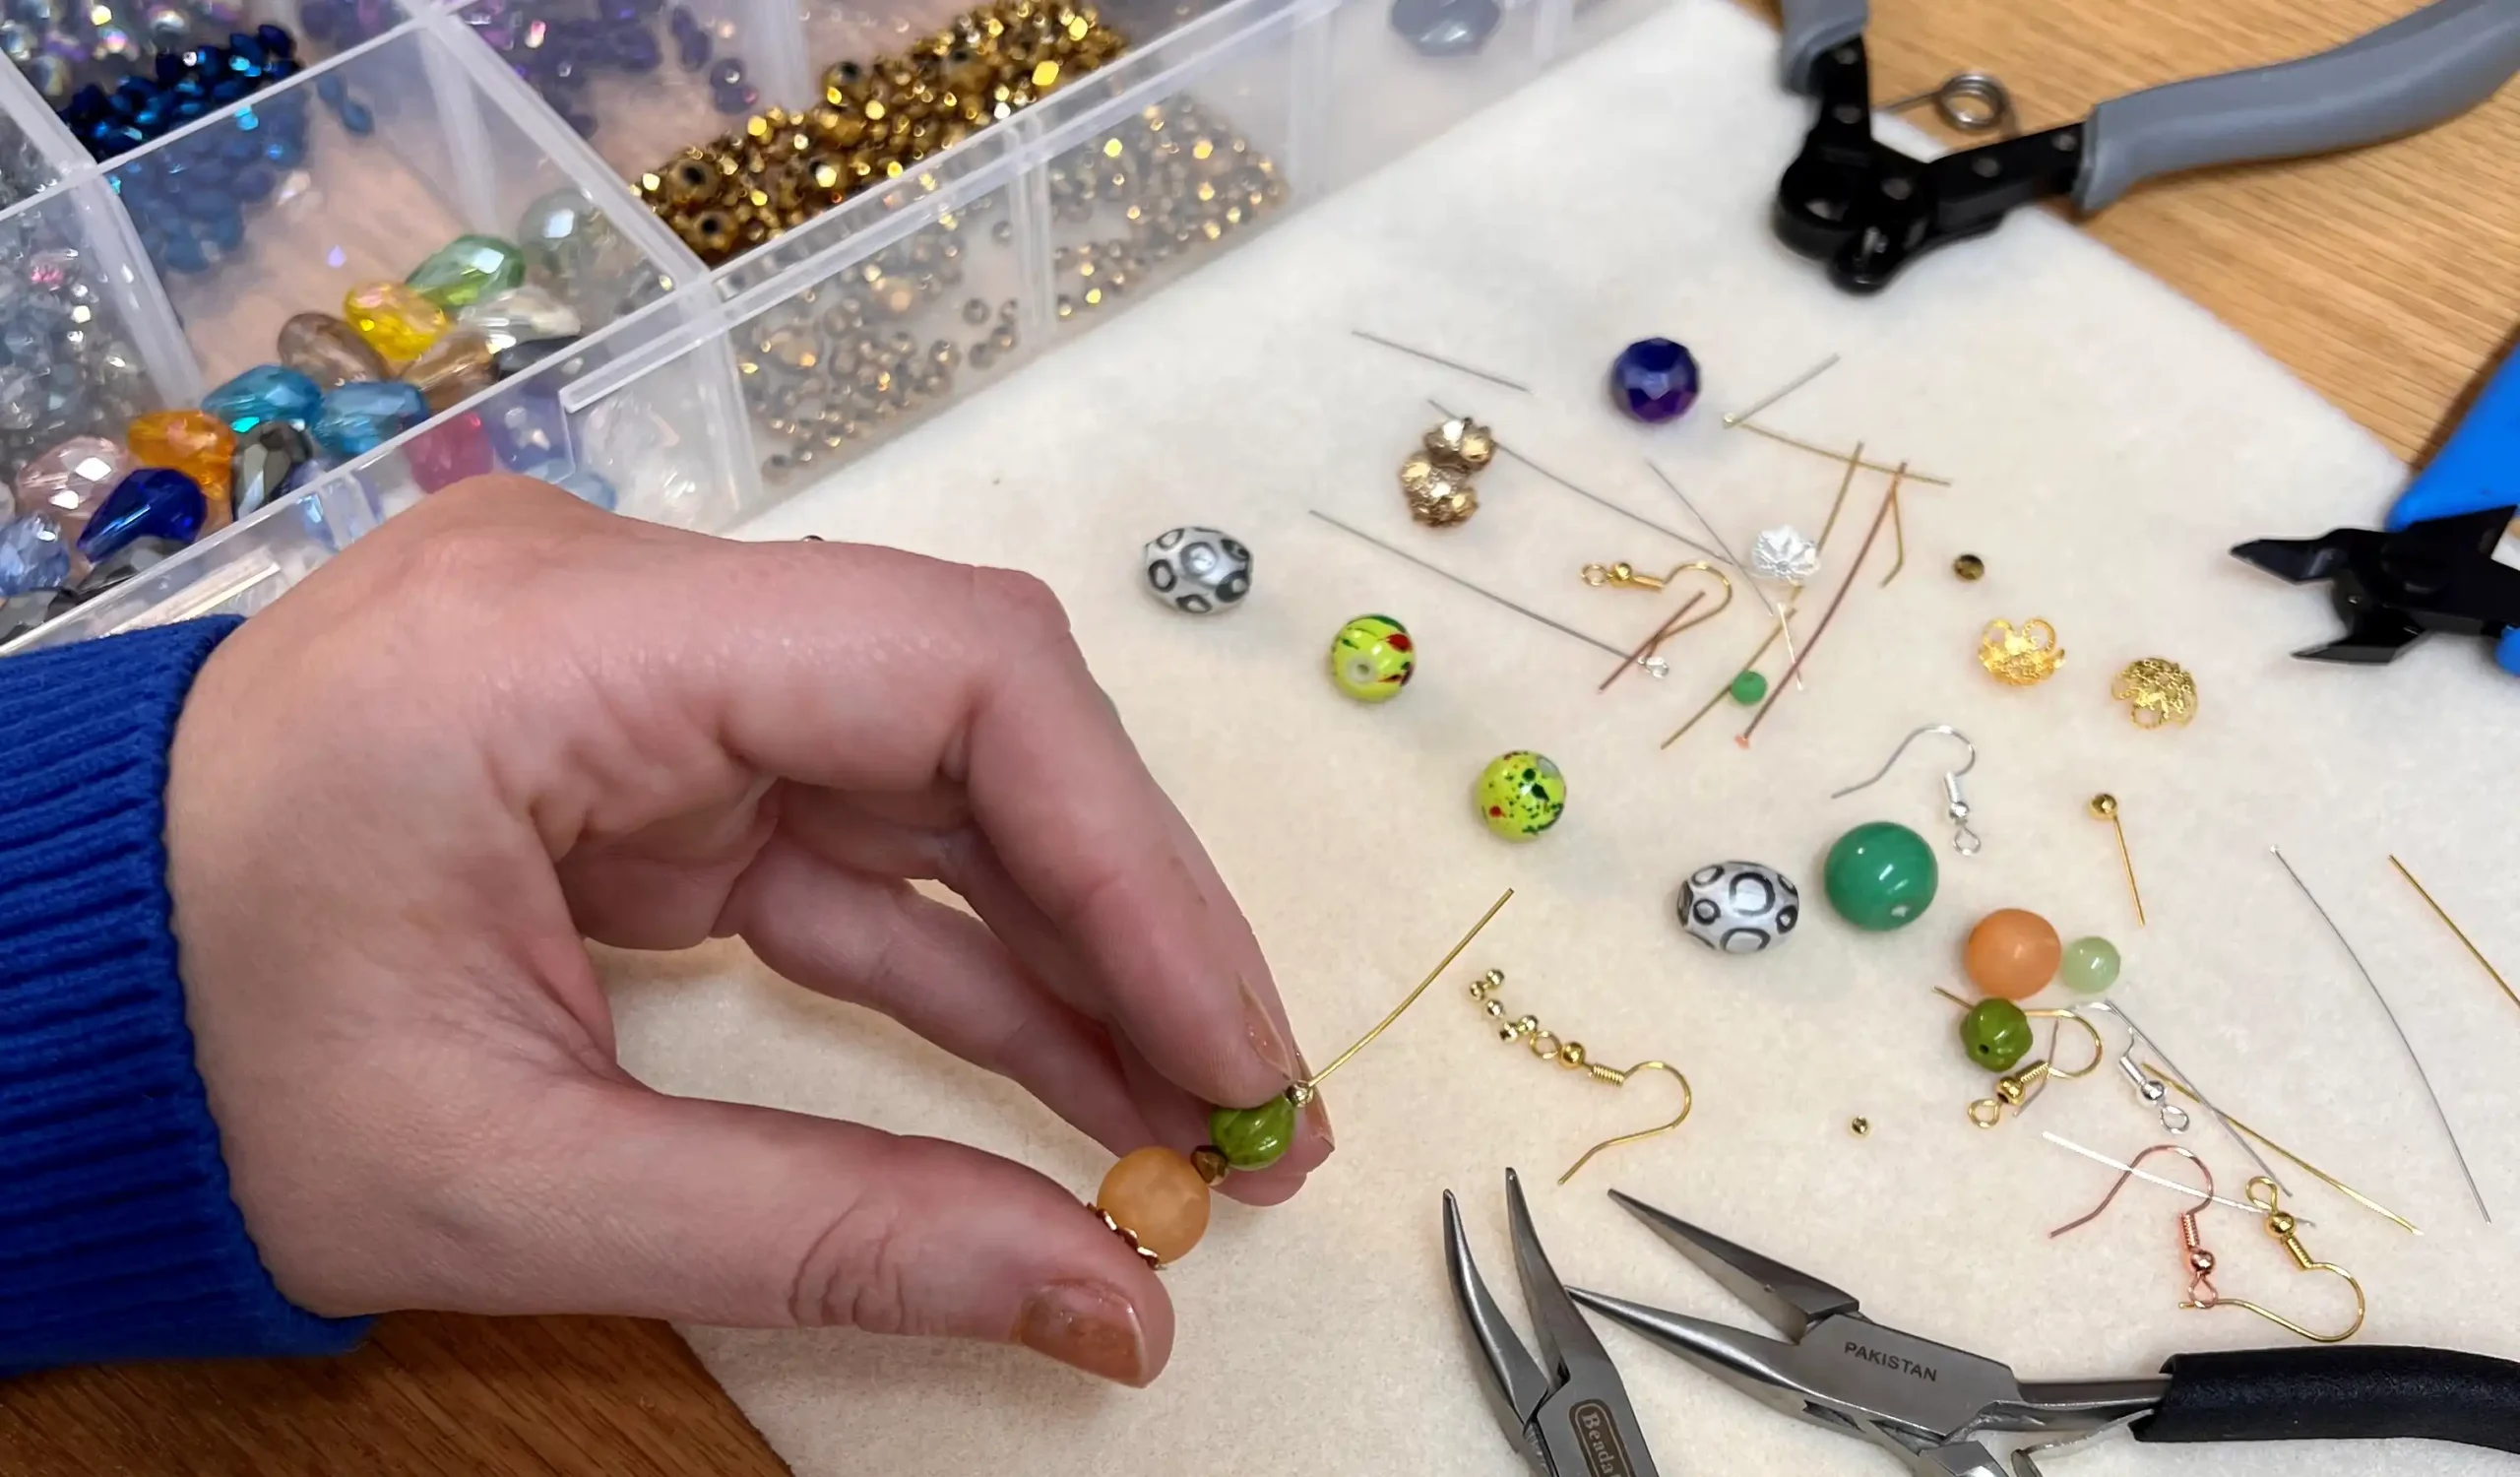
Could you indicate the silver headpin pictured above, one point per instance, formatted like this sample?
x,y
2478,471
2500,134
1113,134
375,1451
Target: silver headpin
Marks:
x,y
1963,840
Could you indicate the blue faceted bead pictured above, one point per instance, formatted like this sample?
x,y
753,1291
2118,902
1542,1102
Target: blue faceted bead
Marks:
x,y
154,502
265,392
183,254
1654,380
33,556
254,184
364,415
285,152
276,39
356,119
227,233
331,88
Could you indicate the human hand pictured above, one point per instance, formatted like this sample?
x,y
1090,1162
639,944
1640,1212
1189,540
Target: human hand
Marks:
x,y
401,796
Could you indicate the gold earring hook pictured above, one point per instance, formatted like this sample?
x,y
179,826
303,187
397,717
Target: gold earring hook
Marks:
x,y
2281,1225
1625,576
1688,1100
1646,654
1571,1054
2099,1050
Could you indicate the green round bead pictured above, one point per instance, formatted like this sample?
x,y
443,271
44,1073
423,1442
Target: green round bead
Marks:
x,y
1372,657
1881,875
1996,1034
1521,794
2090,965
1748,688
1253,1139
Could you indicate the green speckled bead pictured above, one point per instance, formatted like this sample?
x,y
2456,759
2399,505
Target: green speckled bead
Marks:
x,y
1881,875
1253,1139
1996,1034
1372,657
1748,688
1521,794
2090,967
467,270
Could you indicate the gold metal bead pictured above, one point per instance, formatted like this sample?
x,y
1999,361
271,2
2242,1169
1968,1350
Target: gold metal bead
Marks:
x,y
1211,1164
1968,567
1861,1127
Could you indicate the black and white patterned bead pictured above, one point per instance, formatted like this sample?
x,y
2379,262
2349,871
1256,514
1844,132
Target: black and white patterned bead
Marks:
x,y
1740,906
1198,570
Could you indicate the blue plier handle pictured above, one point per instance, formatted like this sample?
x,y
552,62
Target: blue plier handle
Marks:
x,y
2477,469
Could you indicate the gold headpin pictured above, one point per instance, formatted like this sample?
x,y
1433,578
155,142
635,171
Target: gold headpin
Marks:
x,y
2104,806
1546,1046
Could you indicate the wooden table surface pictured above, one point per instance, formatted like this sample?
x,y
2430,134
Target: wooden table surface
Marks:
x,y
2386,279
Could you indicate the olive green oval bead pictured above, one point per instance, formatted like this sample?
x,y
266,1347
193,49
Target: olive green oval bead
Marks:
x,y
2090,967
1881,875
1996,1034
1253,1139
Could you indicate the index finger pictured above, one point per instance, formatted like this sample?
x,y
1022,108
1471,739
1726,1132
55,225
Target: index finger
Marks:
x,y
862,669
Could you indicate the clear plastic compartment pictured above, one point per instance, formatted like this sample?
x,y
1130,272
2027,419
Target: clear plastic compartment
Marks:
x,y
730,389
891,306
288,202
83,337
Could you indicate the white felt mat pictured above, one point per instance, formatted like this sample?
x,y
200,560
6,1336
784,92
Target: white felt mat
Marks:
x,y
2108,442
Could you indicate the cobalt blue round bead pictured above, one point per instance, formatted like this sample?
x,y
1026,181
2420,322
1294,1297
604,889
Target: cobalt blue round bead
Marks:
x,y
355,118
156,502
1654,380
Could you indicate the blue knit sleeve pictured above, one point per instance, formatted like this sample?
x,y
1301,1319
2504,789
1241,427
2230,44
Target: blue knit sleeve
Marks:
x,y
118,1238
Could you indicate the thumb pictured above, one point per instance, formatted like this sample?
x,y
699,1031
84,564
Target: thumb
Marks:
x,y
721,1213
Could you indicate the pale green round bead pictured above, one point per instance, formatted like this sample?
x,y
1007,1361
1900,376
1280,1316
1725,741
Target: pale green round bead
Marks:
x,y
2090,967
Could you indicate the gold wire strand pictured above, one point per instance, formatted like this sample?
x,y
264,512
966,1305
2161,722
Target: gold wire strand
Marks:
x,y
1829,615
1313,1083
1897,535
2452,925
1688,1100
1723,691
2105,806
2281,1152
1526,612
1437,358
1853,461
1840,456
1654,643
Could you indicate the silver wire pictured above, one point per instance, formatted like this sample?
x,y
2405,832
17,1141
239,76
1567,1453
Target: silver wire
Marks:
x,y
1963,840
1641,521
2095,1155
1437,358
2113,1007
2422,1075
1791,385
1654,665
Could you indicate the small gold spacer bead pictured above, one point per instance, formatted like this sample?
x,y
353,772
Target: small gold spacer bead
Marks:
x,y
2280,1223
1862,1127
1126,1235
1496,1008
1210,1162
1571,1054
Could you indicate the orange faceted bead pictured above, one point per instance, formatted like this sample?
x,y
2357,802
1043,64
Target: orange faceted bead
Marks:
x,y
193,442
1157,1195
2013,953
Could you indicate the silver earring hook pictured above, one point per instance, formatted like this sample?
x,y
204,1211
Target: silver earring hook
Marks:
x,y
1963,840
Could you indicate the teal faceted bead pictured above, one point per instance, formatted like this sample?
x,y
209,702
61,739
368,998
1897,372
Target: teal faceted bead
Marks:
x,y
364,415
2090,967
467,270
264,394
1253,1139
1881,875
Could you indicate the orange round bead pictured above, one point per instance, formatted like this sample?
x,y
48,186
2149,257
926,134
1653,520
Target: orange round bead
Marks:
x,y
2013,953
1155,1195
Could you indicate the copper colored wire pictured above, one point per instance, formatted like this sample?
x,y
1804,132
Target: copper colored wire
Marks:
x,y
1831,613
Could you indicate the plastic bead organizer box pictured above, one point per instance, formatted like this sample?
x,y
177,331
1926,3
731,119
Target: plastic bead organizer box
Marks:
x,y
701,392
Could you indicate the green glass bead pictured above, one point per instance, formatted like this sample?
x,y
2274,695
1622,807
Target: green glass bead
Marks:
x,y
1996,1034
1253,1139
467,270
2091,966
1748,688
1372,657
1881,875
1521,794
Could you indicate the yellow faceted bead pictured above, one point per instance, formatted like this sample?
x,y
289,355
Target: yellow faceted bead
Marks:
x,y
195,443
395,320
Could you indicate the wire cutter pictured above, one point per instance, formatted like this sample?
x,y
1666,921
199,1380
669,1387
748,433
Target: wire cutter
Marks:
x,y
1928,1403
1867,208
2431,567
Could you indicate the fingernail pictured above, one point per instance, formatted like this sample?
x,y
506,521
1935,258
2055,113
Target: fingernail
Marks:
x,y
1263,1031
1085,1324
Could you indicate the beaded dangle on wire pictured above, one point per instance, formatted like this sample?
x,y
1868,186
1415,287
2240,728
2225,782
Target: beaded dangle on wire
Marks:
x,y
1155,1198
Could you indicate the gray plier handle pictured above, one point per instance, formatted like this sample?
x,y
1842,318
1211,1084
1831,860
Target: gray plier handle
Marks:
x,y
2405,77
